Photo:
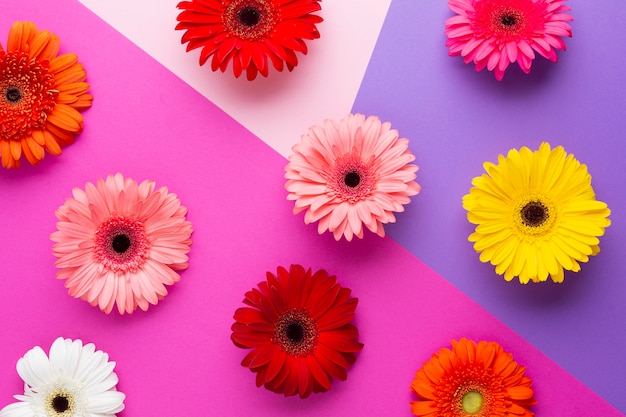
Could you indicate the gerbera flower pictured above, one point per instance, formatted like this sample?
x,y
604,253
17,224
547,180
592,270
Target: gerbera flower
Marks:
x,y
298,325
495,33
537,214
41,94
75,381
351,173
119,242
249,32
472,379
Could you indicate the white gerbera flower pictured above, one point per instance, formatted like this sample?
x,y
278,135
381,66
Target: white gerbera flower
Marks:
x,y
75,381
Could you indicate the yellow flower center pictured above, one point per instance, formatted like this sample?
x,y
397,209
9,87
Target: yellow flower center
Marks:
x,y
472,402
534,215
60,403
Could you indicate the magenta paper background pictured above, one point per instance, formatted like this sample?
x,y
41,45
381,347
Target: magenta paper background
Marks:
x,y
177,358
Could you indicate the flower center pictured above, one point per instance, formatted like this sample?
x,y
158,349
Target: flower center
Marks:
x,y
121,244
352,179
249,16
296,333
472,402
27,95
534,215
509,21
60,403
249,19
13,95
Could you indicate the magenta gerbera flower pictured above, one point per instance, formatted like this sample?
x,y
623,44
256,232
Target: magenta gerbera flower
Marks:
x,y
350,173
496,33
120,242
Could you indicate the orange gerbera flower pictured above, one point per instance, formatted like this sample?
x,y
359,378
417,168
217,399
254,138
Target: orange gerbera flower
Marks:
x,y
297,324
472,379
41,94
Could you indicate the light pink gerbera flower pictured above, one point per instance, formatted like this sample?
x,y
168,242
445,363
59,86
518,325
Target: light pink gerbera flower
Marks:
x,y
495,33
350,173
120,242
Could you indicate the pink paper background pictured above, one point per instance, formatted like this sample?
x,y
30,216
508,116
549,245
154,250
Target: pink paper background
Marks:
x,y
177,359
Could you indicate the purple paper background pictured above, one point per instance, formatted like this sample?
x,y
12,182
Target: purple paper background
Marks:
x,y
456,119
177,359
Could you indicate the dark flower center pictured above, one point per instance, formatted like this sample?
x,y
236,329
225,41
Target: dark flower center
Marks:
x,y
120,243
508,20
13,95
249,19
352,179
249,16
60,404
534,213
296,333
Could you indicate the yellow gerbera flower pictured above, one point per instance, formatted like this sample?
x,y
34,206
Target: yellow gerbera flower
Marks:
x,y
536,214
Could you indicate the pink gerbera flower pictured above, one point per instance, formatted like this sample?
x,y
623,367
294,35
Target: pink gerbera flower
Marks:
x,y
350,173
120,242
495,33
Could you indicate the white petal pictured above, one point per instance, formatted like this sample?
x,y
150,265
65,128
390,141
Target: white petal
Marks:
x,y
34,367
19,409
109,402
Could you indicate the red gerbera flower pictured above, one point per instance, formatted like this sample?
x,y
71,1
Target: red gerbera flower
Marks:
x,y
248,32
495,33
298,325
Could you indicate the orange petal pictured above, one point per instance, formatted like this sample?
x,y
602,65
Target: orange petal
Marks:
x,y
75,74
20,34
423,408
5,154
74,89
39,138
16,149
35,148
84,102
51,144
39,42
66,118
52,47
28,154
520,393
63,62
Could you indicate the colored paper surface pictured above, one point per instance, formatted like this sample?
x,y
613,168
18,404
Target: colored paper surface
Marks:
x,y
323,85
456,119
177,358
